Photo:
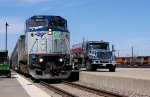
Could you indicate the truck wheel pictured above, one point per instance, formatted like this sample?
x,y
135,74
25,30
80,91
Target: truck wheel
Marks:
x,y
94,67
112,68
88,66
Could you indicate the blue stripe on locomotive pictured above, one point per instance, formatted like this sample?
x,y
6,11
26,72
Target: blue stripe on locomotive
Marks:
x,y
45,28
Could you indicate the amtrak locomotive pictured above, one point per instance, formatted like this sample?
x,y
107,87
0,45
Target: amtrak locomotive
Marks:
x,y
44,51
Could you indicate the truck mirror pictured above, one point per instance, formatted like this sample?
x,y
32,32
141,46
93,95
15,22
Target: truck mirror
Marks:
x,y
113,49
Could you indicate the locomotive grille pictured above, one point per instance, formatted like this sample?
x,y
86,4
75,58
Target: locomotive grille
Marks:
x,y
104,55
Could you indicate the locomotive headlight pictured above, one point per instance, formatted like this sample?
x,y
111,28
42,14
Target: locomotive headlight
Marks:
x,y
49,31
60,59
41,60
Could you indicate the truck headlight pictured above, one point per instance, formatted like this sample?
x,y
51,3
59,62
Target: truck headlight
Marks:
x,y
41,60
91,56
60,59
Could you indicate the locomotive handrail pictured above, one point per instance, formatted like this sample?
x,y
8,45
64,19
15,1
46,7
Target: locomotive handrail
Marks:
x,y
33,45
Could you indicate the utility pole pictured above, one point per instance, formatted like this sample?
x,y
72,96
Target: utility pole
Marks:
x,y
83,49
113,50
137,52
118,53
132,55
6,34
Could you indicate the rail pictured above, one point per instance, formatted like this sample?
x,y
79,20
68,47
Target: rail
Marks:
x,y
93,90
57,90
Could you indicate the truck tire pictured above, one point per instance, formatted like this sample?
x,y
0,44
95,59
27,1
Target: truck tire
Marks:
x,y
112,68
94,67
88,66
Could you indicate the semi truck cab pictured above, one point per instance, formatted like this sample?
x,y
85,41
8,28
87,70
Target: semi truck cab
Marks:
x,y
93,55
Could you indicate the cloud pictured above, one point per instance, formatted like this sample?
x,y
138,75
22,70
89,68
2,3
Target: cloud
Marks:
x,y
15,26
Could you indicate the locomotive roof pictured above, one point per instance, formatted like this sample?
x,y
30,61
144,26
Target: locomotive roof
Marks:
x,y
45,17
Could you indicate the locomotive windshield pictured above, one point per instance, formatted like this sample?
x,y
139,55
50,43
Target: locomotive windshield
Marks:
x,y
58,22
98,46
36,23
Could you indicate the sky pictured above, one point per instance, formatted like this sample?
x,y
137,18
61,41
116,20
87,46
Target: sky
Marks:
x,y
122,23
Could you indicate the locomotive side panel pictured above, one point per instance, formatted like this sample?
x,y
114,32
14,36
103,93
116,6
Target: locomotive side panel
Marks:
x,y
14,58
36,42
133,61
19,53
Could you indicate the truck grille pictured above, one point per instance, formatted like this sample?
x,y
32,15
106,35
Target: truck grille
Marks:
x,y
104,55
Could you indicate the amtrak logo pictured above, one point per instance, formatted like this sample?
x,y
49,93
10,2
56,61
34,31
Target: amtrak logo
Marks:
x,y
40,34
57,34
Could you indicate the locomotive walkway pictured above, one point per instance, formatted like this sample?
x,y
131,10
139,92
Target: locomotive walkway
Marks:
x,y
17,86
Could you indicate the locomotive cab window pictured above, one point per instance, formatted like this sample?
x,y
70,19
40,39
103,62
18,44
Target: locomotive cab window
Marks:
x,y
36,23
59,23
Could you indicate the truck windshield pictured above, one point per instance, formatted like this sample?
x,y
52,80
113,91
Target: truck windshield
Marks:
x,y
98,46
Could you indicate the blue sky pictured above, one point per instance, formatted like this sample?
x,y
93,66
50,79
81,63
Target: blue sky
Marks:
x,y
124,23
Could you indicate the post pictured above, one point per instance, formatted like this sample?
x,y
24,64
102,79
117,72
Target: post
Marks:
x,y
132,55
113,50
118,53
83,49
6,34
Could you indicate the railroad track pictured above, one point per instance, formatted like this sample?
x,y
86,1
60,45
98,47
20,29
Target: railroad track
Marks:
x,y
57,90
66,93
93,90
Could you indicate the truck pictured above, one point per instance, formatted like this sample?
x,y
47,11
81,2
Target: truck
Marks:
x,y
4,64
92,55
